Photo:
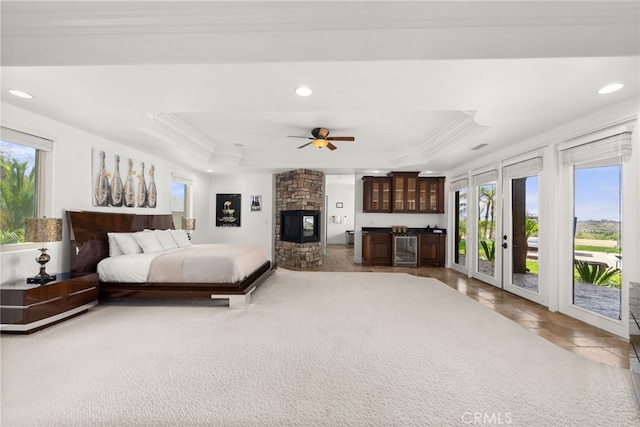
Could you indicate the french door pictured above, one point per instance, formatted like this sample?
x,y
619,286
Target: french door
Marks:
x,y
486,228
592,284
521,225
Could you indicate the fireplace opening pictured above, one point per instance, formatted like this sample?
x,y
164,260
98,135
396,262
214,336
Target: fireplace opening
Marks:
x,y
300,226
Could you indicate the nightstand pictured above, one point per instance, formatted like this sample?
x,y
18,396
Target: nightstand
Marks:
x,y
25,308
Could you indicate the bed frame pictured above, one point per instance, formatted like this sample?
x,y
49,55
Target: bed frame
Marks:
x,y
89,245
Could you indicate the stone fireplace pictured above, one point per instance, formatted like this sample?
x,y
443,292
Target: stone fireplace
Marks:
x,y
300,226
299,203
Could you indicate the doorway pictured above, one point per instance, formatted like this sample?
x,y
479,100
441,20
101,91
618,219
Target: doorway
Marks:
x,y
520,239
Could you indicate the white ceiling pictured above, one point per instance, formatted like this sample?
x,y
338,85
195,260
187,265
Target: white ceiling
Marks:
x,y
418,83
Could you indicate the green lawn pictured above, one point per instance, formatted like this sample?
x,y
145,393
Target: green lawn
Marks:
x,y
603,249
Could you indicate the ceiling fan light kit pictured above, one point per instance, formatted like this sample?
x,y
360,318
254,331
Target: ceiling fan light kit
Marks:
x,y
321,139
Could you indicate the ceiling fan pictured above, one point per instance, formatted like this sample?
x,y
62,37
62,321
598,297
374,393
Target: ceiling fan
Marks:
x,y
322,139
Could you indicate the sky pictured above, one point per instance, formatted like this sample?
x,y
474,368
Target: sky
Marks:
x,y
19,152
597,193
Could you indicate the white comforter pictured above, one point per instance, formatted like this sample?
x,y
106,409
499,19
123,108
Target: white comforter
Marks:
x,y
212,263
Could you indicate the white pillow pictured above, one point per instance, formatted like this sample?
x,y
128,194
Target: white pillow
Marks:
x,y
181,238
165,239
148,242
114,248
128,244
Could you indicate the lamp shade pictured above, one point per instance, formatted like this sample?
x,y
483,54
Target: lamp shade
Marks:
x,y
188,224
320,143
43,229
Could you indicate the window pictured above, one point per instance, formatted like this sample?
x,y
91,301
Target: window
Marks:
x,y
180,199
21,175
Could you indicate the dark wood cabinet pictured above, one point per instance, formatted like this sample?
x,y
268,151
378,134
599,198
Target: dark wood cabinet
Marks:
x,y
403,192
376,194
404,187
431,194
26,307
432,250
376,248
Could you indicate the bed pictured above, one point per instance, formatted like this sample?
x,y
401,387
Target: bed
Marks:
x,y
218,271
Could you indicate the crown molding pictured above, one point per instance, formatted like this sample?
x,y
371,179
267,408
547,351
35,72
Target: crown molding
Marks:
x,y
179,135
455,132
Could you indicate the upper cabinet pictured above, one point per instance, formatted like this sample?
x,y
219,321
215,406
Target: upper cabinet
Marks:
x,y
403,187
403,192
377,194
431,194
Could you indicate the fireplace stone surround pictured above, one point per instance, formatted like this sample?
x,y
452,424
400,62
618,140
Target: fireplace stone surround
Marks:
x,y
300,189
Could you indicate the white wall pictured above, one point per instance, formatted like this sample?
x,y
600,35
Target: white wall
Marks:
x,y
255,227
69,185
339,189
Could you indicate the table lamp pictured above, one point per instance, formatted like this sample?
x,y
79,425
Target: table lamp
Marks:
x,y
43,230
188,224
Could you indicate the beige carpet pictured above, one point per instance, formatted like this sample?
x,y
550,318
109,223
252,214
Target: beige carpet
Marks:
x,y
315,349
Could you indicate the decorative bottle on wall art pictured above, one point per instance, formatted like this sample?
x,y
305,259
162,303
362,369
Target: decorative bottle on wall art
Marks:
x,y
129,189
101,192
117,189
142,188
152,192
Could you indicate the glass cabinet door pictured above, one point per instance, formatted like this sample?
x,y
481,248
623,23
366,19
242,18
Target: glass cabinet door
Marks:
x,y
422,195
433,197
398,196
375,196
385,195
411,194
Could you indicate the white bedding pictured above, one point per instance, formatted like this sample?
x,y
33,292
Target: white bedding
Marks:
x,y
211,263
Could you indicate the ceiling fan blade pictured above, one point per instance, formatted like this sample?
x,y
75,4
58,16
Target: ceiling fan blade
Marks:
x,y
341,138
331,147
295,136
304,145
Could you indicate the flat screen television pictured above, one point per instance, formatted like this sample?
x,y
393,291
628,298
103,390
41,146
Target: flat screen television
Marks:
x,y
300,226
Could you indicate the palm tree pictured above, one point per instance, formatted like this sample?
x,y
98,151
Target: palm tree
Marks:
x,y
17,190
487,201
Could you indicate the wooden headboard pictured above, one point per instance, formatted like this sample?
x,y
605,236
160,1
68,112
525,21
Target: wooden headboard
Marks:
x,y
88,241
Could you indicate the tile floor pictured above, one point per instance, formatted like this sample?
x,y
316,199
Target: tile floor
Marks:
x,y
558,328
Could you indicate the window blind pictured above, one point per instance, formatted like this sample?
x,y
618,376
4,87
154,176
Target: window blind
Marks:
x,y
485,178
618,145
525,168
26,139
181,179
458,185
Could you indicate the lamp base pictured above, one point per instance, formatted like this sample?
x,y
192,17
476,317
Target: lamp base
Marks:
x,y
37,280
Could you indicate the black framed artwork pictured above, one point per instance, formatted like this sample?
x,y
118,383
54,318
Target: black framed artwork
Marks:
x,y
228,210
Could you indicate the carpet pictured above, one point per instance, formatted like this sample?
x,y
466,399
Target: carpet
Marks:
x,y
314,349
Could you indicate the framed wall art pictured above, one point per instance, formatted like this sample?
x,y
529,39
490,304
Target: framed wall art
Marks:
x,y
256,203
228,210
122,182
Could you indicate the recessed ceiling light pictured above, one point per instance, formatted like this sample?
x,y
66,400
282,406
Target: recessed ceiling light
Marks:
x,y
303,91
611,88
20,94
209,170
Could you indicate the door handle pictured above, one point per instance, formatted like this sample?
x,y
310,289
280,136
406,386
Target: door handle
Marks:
x,y
504,245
